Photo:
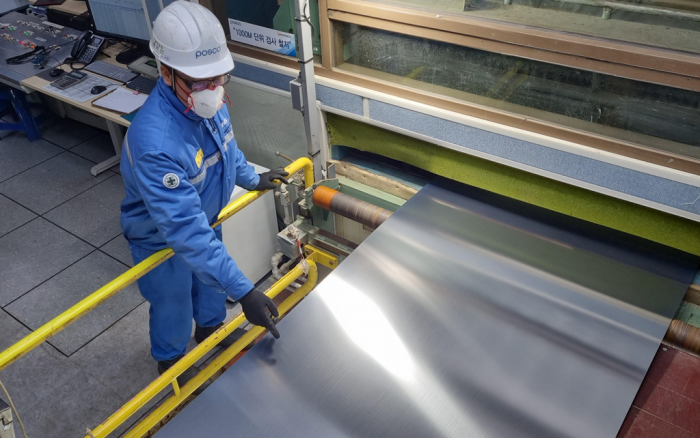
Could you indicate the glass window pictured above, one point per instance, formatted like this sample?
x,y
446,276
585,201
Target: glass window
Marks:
x,y
652,115
250,117
271,14
672,24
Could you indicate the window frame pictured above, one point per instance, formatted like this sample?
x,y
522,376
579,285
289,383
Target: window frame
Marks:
x,y
642,63
571,48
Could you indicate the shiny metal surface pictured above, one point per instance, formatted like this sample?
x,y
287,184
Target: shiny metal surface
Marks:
x,y
463,315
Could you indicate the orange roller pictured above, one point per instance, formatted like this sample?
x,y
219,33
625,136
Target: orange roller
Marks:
x,y
323,195
352,208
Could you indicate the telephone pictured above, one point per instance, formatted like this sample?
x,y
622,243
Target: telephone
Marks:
x,y
86,47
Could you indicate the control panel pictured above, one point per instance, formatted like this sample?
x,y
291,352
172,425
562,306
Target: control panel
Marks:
x,y
28,34
20,34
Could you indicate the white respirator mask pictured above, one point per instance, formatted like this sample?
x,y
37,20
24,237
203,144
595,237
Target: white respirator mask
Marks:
x,y
207,102
204,103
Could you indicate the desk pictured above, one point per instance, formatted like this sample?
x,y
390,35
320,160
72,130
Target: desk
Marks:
x,y
114,120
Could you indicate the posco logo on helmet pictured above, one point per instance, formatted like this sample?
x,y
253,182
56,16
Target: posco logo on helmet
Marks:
x,y
207,52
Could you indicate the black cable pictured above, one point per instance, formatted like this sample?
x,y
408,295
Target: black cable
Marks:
x,y
72,61
26,57
308,20
31,56
62,44
58,63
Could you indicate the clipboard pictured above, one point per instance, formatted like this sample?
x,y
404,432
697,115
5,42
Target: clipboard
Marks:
x,y
121,101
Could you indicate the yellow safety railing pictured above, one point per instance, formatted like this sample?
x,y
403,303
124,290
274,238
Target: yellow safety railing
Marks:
x,y
170,376
105,292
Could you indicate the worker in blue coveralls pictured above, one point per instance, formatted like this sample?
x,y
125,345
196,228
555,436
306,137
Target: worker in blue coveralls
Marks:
x,y
180,163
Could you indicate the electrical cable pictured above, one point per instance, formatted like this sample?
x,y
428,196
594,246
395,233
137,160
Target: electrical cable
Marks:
x,y
63,44
308,19
72,61
12,405
304,17
112,85
133,46
31,56
58,63
26,57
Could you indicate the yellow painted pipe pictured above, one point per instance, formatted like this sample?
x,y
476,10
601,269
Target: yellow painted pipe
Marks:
x,y
236,206
60,322
320,256
170,376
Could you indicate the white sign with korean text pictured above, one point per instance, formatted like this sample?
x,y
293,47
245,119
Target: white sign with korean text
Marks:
x,y
258,36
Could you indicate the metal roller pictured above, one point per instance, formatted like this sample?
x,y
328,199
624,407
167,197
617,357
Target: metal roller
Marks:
x,y
352,208
684,336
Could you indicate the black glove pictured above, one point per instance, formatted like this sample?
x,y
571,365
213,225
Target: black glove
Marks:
x,y
256,306
267,179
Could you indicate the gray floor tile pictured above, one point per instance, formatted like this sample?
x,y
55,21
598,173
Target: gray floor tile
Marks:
x,y
34,253
8,118
120,358
38,421
52,182
35,375
20,388
119,249
67,132
96,149
12,215
12,331
67,288
94,214
36,112
19,154
128,370
81,402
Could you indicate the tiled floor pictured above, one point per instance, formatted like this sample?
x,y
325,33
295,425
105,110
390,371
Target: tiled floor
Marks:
x,y
60,240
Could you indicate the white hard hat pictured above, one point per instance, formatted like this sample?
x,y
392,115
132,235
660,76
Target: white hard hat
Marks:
x,y
190,39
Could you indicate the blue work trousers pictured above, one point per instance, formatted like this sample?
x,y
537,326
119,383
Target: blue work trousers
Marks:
x,y
176,296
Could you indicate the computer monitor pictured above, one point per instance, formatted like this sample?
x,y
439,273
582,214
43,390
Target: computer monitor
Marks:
x,y
127,20
12,5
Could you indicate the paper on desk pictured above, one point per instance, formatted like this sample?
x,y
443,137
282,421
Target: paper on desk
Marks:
x,y
122,101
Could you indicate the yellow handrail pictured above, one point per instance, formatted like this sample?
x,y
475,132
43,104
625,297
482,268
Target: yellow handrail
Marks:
x,y
60,322
170,376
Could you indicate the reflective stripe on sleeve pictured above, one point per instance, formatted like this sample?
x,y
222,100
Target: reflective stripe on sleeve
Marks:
x,y
208,162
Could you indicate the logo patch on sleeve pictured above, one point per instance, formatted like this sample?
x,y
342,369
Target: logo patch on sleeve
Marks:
x,y
198,158
170,180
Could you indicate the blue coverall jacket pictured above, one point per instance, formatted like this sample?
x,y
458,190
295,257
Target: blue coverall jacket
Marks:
x,y
179,171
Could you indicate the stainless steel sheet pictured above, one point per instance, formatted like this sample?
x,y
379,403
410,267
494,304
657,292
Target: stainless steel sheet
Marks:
x,y
464,315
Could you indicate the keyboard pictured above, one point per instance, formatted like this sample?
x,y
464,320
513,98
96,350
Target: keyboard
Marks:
x,y
142,84
111,71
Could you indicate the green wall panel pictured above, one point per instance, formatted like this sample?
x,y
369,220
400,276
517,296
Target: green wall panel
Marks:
x,y
574,201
